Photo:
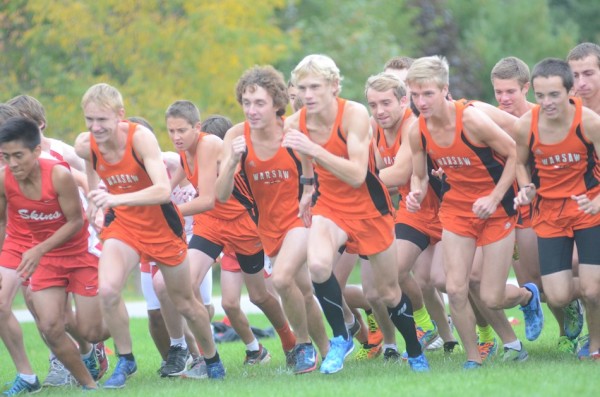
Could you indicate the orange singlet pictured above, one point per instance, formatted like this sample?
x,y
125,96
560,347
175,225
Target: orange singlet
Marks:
x,y
559,170
364,213
426,220
154,230
275,186
471,171
228,224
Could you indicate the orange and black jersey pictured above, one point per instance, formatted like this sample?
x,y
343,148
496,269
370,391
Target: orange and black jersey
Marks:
x,y
369,200
565,168
274,185
471,171
129,175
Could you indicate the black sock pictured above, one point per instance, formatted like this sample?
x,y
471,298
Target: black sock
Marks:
x,y
330,298
128,356
402,317
213,359
368,312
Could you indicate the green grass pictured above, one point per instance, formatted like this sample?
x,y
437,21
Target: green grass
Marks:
x,y
546,373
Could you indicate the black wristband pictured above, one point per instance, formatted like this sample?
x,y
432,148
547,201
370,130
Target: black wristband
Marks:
x,y
306,181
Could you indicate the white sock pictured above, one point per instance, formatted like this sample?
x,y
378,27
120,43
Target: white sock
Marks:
x,y
88,354
390,346
350,324
516,345
253,346
179,341
28,378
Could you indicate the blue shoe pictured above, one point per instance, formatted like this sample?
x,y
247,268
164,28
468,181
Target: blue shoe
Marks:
x,y
534,316
21,386
216,370
124,369
419,363
339,348
573,319
92,365
584,352
469,365
306,358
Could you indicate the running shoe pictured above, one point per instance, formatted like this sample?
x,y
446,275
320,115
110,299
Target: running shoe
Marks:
x,y
92,365
436,344
534,316
260,356
514,354
306,358
487,349
368,352
58,375
419,363
584,351
566,345
391,356
197,369
469,365
426,338
124,369
573,319
178,359
102,357
375,336
450,346
290,358
339,348
216,370
21,386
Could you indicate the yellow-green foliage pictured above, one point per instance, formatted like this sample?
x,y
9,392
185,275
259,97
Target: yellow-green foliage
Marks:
x,y
154,52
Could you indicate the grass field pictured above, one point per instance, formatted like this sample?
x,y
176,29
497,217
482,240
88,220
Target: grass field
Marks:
x,y
546,373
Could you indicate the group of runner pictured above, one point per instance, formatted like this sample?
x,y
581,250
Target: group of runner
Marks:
x,y
291,204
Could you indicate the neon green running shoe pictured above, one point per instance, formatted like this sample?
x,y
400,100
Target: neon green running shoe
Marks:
x,y
566,345
515,355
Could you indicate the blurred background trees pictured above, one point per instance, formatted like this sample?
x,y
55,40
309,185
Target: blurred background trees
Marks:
x,y
156,52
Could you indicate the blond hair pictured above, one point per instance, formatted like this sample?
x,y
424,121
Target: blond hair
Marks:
x,y
104,95
429,69
511,68
386,81
320,65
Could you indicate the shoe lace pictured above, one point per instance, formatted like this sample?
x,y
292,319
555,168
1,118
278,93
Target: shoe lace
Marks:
x,y
18,385
55,364
372,323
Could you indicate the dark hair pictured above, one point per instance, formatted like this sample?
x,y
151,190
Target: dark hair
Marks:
x,y
141,121
21,129
217,125
553,67
7,111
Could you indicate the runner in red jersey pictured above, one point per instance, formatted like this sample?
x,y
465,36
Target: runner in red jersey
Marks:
x,y
561,140
140,219
478,159
43,195
222,226
253,152
33,109
353,206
